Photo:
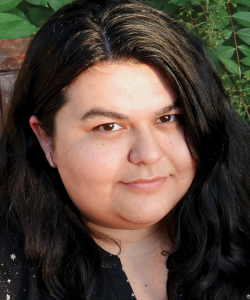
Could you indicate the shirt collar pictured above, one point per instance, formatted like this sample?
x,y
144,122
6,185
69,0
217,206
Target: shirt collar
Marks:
x,y
109,261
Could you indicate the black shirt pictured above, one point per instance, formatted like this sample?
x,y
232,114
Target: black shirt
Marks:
x,y
18,283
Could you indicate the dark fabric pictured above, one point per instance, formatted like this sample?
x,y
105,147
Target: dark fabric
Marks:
x,y
17,283
115,278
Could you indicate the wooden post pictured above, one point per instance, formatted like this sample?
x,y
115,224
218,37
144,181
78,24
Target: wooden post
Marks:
x,y
12,54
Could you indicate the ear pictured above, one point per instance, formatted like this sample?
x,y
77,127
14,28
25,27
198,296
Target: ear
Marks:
x,y
44,140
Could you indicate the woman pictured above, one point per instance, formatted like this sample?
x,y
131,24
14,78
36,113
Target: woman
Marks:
x,y
121,154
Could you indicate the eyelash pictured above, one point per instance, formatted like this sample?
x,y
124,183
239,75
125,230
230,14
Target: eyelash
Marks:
x,y
175,116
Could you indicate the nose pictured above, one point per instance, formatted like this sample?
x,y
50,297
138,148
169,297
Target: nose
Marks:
x,y
145,149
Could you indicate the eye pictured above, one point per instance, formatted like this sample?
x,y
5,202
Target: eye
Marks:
x,y
109,127
168,118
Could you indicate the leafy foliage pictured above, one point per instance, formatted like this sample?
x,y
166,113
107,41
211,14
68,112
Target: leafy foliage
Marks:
x,y
22,18
223,25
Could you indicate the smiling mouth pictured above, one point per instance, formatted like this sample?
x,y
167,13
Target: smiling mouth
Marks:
x,y
146,184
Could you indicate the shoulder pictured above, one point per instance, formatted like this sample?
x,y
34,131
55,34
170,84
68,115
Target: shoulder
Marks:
x,y
16,281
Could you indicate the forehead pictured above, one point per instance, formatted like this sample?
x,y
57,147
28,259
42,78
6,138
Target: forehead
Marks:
x,y
122,86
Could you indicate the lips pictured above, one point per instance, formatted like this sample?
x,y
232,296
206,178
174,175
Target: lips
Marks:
x,y
146,184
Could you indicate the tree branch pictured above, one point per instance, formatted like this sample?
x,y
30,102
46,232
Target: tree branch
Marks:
x,y
235,42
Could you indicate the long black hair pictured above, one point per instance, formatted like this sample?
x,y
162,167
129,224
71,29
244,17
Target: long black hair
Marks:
x,y
209,226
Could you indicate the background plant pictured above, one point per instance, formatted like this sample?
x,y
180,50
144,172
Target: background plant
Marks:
x,y
22,18
223,25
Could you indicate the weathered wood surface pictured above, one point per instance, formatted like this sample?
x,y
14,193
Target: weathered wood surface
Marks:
x,y
12,54
7,81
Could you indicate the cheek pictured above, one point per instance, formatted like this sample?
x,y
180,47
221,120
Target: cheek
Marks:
x,y
176,151
89,172
89,161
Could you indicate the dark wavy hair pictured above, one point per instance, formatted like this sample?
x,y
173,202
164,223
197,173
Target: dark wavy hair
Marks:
x,y
210,225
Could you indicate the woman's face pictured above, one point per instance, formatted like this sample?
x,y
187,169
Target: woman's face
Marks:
x,y
119,146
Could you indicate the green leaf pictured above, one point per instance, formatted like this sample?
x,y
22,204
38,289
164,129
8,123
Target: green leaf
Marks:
x,y
170,8
35,14
17,12
245,49
8,4
5,17
23,6
158,4
243,18
244,2
196,2
225,51
180,2
56,4
244,68
246,61
38,16
38,2
244,35
212,53
242,8
230,65
236,28
246,73
16,29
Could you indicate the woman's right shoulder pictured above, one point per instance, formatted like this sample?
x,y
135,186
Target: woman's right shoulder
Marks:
x,y
17,282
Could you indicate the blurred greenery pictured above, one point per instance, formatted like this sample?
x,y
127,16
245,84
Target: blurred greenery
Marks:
x,y
223,25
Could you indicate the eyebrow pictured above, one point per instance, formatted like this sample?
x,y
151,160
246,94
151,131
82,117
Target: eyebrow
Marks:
x,y
168,108
100,112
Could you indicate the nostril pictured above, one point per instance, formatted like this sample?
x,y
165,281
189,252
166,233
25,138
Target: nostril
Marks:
x,y
144,152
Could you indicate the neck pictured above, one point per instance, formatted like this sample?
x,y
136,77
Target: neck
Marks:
x,y
132,242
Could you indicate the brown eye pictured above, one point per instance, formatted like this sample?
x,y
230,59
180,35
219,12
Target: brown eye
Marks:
x,y
108,127
166,118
